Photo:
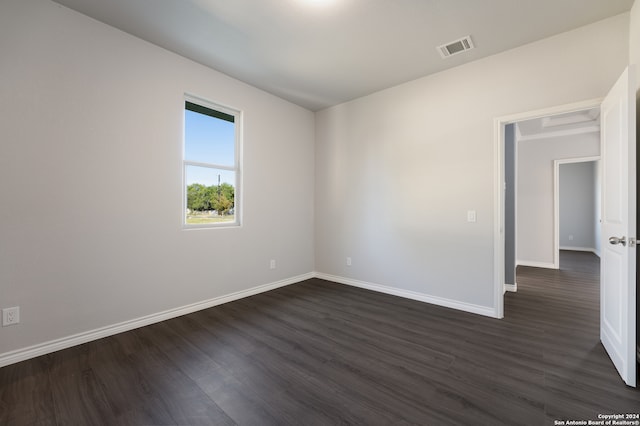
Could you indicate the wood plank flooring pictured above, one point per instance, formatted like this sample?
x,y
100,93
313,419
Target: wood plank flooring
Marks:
x,y
319,353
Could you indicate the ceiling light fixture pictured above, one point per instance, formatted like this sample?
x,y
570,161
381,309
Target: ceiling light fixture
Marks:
x,y
319,3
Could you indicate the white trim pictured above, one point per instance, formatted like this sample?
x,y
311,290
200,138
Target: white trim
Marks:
x,y
513,288
588,249
498,177
440,301
209,165
23,354
555,110
556,214
18,355
534,264
515,197
236,168
560,133
498,218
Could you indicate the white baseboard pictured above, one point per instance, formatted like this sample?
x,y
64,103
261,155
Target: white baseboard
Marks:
x,y
23,354
18,355
536,264
440,301
511,287
588,249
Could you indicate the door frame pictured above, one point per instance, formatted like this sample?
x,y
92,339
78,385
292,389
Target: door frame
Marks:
x,y
499,124
556,201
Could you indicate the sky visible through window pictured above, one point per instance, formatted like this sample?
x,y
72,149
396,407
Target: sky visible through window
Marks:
x,y
209,140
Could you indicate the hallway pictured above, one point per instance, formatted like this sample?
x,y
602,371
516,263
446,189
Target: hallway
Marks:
x,y
564,305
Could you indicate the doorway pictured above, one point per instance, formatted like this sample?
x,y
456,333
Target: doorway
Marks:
x,y
500,126
577,194
618,215
534,149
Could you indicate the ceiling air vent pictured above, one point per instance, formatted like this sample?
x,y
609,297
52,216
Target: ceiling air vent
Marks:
x,y
455,47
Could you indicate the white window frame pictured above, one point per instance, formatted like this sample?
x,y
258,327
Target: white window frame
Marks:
x,y
236,168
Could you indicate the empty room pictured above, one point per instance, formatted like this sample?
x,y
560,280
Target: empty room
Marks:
x,y
311,212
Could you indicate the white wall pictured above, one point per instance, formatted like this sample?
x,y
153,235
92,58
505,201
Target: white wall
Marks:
x,y
634,42
91,121
535,199
396,171
90,179
577,210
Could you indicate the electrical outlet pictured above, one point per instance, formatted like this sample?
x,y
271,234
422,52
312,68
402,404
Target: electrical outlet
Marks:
x,y
348,261
10,316
272,264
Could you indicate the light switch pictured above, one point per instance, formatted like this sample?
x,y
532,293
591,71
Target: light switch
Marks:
x,y
471,216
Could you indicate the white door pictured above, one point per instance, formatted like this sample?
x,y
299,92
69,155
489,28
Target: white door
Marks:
x,y
618,261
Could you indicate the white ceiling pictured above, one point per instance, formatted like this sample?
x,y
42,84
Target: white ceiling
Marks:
x,y
317,55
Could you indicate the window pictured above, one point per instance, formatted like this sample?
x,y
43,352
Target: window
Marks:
x,y
211,164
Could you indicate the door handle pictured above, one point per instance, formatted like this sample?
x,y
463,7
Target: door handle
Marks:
x,y
616,240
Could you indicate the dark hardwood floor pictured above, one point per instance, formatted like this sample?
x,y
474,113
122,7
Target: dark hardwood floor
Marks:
x,y
319,353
